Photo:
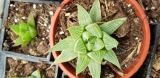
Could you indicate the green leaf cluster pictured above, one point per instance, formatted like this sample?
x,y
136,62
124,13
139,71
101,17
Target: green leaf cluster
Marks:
x,y
89,42
26,31
35,74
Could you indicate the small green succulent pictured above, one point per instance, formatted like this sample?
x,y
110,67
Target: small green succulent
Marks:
x,y
26,31
89,42
35,74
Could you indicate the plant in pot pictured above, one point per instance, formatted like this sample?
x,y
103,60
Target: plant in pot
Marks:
x,y
90,42
71,7
16,10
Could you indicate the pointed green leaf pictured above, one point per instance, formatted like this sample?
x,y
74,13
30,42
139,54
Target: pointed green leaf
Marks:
x,y
24,44
33,32
82,63
97,55
21,21
94,29
83,16
37,74
33,40
92,40
95,69
98,45
30,77
111,57
23,29
95,12
66,44
86,36
15,28
89,46
31,20
80,47
18,77
27,36
65,56
76,31
111,26
109,41
18,41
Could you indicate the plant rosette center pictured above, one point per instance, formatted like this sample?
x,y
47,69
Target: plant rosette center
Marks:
x,y
90,42
26,31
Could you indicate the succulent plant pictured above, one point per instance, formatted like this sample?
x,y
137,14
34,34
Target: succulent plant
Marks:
x,y
89,42
35,74
26,31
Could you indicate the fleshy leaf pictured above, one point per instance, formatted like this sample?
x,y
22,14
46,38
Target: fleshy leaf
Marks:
x,y
92,40
21,21
37,74
15,28
83,16
18,41
82,63
111,57
80,47
76,31
65,56
31,20
97,55
24,44
111,26
23,28
27,36
33,40
33,32
109,41
66,44
95,12
98,45
89,46
95,69
94,29
30,77
86,36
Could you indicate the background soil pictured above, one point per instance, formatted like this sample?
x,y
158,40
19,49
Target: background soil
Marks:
x,y
129,35
152,10
43,13
22,68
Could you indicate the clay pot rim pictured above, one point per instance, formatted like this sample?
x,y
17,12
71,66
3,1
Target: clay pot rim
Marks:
x,y
128,72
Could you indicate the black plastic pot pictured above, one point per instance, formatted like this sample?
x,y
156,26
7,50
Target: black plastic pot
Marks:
x,y
5,15
4,56
64,75
145,70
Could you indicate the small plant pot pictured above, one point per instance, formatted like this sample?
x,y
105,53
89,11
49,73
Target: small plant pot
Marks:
x,y
16,9
34,61
128,72
145,70
64,75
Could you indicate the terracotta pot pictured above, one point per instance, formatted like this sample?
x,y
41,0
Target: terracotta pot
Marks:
x,y
128,72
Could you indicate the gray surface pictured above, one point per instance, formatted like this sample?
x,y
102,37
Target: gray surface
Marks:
x,y
1,10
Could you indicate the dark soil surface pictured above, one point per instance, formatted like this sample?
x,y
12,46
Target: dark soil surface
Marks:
x,y
152,10
155,73
129,35
22,68
43,13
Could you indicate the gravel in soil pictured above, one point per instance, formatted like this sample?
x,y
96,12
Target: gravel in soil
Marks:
x,y
43,13
152,10
22,68
155,73
129,35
